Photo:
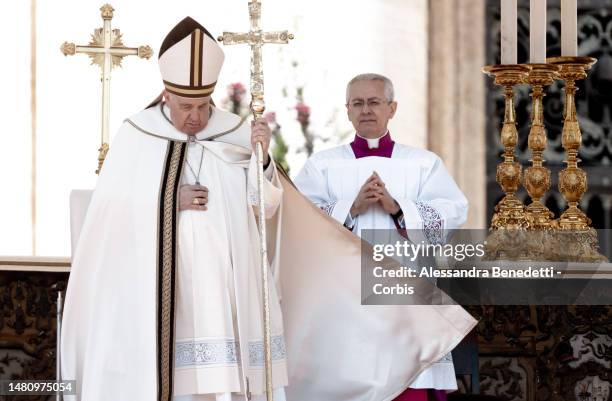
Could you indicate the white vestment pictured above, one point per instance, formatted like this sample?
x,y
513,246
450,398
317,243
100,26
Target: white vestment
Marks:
x,y
428,196
212,317
206,327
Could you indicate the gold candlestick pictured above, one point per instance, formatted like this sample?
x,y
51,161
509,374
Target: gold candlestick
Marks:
x,y
572,179
509,212
537,177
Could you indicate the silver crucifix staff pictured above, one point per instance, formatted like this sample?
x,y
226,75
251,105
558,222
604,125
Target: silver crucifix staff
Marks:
x,y
256,39
106,50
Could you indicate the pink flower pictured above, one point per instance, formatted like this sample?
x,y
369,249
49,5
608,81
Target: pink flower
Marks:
x,y
236,92
303,113
302,108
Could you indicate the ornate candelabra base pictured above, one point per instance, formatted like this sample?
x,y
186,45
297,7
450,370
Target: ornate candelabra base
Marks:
x,y
540,217
505,244
544,245
509,214
575,246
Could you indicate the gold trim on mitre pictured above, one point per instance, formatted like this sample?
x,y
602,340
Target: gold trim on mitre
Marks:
x,y
190,91
196,57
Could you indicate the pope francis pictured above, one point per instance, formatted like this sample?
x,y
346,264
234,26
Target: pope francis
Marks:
x,y
171,238
164,297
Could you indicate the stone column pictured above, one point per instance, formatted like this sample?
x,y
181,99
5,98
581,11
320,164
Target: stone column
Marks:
x,y
456,93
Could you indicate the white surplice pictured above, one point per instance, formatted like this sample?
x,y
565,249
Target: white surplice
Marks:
x,y
417,179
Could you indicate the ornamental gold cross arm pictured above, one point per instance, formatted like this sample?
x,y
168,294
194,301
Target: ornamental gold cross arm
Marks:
x,y
70,49
106,50
255,38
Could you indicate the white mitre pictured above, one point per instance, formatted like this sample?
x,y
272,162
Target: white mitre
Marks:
x,y
190,60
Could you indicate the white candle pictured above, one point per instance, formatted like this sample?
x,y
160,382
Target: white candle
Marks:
x,y
508,31
569,28
537,31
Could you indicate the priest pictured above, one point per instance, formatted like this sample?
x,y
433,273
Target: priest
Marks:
x,y
376,183
164,299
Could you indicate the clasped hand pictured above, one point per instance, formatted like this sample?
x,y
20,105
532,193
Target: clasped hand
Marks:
x,y
374,191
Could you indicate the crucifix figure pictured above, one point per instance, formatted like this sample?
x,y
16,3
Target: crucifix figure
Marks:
x,y
256,38
106,50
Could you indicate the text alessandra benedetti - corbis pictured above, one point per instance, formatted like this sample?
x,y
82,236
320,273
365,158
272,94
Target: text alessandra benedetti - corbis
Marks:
x,y
467,272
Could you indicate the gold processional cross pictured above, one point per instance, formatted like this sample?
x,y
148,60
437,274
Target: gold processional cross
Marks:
x,y
256,39
106,50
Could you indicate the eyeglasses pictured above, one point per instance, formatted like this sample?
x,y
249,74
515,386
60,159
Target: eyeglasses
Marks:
x,y
372,104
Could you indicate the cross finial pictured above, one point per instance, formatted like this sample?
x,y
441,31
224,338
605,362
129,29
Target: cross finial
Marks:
x,y
256,38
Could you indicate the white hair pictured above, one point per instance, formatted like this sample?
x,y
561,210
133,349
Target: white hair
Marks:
x,y
389,92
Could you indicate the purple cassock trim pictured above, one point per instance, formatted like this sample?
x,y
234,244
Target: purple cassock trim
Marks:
x,y
422,394
361,149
